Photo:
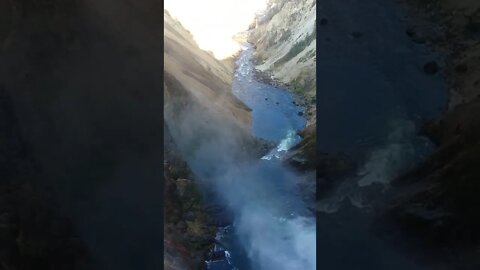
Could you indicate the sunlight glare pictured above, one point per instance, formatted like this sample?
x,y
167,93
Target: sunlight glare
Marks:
x,y
214,22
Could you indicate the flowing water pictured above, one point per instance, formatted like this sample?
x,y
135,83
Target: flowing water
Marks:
x,y
272,229
274,113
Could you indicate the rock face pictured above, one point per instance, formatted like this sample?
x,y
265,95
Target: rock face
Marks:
x,y
188,229
198,89
285,38
199,105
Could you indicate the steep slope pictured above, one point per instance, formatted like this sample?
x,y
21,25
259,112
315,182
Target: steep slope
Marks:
x,y
188,230
203,78
198,104
285,39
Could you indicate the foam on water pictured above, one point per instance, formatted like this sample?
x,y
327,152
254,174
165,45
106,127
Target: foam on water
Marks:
x,y
272,228
286,144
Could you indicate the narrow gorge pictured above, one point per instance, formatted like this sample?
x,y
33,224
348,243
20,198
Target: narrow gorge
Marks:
x,y
232,125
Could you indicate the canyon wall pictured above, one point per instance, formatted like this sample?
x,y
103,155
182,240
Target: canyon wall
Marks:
x,y
198,104
190,71
285,40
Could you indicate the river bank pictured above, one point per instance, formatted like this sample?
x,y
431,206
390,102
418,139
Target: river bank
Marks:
x,y
275,118
284,36
302,156
220,125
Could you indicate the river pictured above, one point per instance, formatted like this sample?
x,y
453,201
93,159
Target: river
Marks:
x,y
271,228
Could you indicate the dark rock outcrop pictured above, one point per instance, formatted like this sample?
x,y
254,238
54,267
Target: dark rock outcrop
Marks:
x,y
189,229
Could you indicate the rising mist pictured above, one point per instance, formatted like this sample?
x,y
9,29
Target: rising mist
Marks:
x,y
269,217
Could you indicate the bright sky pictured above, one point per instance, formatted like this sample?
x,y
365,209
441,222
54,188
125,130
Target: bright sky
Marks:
x,y
214,22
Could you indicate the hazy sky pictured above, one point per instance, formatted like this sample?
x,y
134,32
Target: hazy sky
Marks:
x,y
214,22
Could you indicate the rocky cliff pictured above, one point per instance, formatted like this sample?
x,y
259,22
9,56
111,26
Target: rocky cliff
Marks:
x,y
194,76
188,230
285,39
198,103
